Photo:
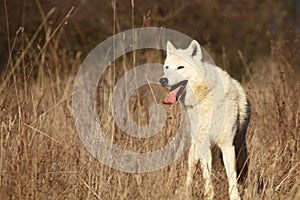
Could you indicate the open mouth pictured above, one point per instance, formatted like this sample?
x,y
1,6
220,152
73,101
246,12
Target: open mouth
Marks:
x,y
175,93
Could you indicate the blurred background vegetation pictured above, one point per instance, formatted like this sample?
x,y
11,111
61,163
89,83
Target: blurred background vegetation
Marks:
x,y
234,32
43,43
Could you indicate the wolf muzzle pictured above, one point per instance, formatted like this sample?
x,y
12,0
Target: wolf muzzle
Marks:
x,y
176,90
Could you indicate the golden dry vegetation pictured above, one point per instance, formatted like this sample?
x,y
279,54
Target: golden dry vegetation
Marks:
x,y
42,156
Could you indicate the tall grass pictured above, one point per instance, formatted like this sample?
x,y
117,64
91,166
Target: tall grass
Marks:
x,y
42,157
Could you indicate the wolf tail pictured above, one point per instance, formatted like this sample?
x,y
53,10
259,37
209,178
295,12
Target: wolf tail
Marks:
x,y
243,119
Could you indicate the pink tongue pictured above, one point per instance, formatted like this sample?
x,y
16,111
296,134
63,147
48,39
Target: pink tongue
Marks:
x,y
171,98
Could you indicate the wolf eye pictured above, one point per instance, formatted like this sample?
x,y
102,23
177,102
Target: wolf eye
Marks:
x,y
180,67
167,67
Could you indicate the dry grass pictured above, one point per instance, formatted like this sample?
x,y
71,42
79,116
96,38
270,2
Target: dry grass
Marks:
x,y
42,157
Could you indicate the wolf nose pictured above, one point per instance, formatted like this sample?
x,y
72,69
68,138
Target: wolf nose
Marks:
x,y
163,81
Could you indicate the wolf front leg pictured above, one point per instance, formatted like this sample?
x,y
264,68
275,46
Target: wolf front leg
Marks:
x,y
206,161
192,162
230,163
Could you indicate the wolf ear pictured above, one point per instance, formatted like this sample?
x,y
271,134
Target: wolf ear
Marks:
x,y
194,49
170,48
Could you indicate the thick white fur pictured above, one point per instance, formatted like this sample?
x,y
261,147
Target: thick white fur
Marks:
x,y
214,102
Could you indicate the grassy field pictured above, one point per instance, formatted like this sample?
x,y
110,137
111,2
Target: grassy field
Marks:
x,y
42,157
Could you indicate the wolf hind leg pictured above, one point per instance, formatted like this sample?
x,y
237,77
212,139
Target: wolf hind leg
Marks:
x,y
228,153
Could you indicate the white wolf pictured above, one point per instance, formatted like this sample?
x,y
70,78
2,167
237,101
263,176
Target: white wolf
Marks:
x,y
218,110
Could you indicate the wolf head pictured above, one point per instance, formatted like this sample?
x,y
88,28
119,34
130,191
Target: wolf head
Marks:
x,y
179,70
